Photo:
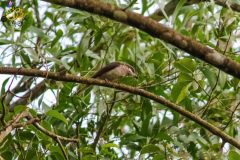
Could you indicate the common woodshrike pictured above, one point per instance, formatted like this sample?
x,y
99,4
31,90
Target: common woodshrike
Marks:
x,y
114,71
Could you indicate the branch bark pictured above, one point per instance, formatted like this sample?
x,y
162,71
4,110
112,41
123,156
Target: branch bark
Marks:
x,y
130,89
30,95
157,30
31,121
16,124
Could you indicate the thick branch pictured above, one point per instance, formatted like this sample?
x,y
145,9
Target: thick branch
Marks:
x,y
30,95
155,29
133,90
22,86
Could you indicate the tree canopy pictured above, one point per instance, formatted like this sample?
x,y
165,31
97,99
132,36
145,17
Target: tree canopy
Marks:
x,y
184,103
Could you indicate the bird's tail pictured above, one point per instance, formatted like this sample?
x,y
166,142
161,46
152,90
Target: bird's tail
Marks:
x,y
81,89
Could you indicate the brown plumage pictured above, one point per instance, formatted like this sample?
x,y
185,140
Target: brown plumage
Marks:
x,y
112,72
115,70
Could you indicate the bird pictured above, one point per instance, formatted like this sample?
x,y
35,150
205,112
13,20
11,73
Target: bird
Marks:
x,y
113,72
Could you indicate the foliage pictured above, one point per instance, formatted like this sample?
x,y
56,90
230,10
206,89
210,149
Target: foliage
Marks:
x,y
55,37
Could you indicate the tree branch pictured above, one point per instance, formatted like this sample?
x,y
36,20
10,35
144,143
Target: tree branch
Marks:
x,y
21,86
157,30
30,95
31,120
53,135
130,89
15,124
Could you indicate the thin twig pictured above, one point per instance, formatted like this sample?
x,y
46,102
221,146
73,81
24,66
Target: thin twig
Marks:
x,y
104,121
62,148
215,85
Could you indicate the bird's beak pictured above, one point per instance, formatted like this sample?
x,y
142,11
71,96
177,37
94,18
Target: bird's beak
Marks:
x,y
135,75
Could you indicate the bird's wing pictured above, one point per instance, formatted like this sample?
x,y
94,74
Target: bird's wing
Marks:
x,y
105,69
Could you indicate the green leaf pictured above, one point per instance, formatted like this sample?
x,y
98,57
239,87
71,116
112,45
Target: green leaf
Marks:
x,y
5,41
185,78
86,150
56,114
233,155
150,148
4,85
164,136
222,79
19,108
108,145
184,92
7,154
186,65
144,6
38,31
145,126
156,127
179,6
210,75
56,152
32,154
58,36
147,107
159,156
180,91
25,58
28,21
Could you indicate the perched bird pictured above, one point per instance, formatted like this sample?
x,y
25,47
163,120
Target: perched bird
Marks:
x,y
113,72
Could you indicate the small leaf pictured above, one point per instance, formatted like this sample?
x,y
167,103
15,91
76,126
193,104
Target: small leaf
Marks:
x,y
186,65
150,148
179,6
108,145
86,150
25,58
38,31
145,126
19,108
180,91
159,156
233,155
56,114
5,41
28,21
4,85
184,92
58,36
210,75
222,79
56,152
